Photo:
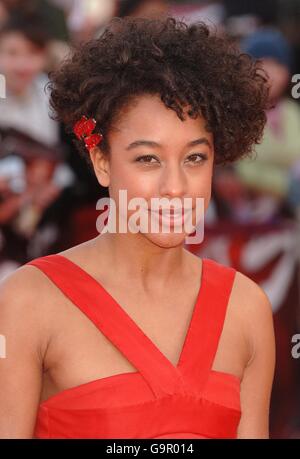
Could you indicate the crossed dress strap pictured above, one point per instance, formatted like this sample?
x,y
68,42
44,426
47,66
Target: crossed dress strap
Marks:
x,y
206,328
112,320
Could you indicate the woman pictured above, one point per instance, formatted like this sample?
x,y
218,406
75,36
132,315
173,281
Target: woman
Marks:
x,y
161,344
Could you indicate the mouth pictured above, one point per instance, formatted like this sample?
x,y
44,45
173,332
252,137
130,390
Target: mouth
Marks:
x,y
172,217
169,212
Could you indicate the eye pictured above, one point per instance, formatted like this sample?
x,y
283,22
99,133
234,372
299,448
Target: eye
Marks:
x,y
146,159
197,158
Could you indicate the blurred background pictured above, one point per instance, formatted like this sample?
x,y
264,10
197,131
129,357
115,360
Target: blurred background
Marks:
x,y
48,193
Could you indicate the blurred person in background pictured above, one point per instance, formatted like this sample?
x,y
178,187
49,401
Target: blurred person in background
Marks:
x,y
25,114
23,59
31,181
52,18
51,15
259,189
269,175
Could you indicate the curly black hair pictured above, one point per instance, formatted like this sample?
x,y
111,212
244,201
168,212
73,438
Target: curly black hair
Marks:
x,y
186,65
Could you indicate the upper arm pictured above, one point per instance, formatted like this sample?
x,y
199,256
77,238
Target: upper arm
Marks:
x,y
256,386
21,367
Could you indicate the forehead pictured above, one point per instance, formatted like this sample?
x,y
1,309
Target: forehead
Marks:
x,y
148,116
14,38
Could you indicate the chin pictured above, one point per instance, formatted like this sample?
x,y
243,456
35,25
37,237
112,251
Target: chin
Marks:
x,y
166,240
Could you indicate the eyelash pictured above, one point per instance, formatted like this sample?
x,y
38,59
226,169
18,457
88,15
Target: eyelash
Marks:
x,y
141,159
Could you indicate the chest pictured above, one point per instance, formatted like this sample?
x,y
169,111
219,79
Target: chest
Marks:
x,y
80,352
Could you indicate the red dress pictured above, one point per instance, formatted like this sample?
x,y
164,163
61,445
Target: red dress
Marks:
x,y
159,400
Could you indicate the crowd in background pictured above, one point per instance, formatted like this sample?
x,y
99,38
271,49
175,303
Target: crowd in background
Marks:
x,y
48,192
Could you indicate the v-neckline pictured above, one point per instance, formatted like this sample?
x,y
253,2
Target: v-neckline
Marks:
x,y
136,329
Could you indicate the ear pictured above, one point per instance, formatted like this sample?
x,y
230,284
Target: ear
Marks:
x,y
101,166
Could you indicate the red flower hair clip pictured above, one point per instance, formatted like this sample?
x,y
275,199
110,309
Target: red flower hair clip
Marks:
x,y
83,130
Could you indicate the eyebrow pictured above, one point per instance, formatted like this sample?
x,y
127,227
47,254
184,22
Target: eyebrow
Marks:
x,y
151,143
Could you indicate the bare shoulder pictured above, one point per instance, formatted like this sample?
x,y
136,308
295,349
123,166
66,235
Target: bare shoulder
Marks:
x,y
257,322
29,291
255,311
20,287
251,294
24,325
24,300
27,294
253,300
28,287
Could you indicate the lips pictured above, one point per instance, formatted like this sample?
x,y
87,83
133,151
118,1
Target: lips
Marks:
x,y
170,217
169,212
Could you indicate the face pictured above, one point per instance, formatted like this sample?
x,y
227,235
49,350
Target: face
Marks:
x,y
20,61
156,155
279,78
39,171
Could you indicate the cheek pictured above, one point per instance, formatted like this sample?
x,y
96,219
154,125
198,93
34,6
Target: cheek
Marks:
x,y
31,66
201,183
6,64
135,182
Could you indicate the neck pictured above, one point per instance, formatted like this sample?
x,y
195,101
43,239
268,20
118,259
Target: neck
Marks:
x,y
134,256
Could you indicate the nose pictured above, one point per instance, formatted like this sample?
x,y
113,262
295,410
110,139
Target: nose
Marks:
x,y
173,181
